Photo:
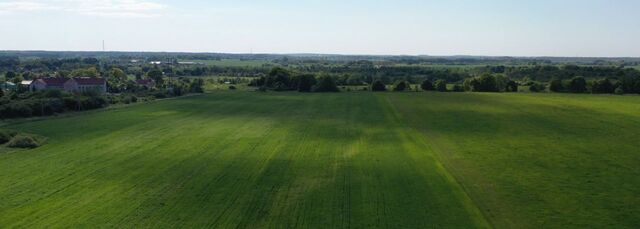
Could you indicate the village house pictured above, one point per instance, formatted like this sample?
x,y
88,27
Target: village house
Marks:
x,y
79,84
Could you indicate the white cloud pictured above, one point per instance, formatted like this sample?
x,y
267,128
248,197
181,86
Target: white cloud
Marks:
x,y
101,8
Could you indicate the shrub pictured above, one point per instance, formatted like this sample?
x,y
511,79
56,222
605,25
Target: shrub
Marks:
x,y
15,110
23,141
160,95
619,91
6,135
129,99
378,86
427,85
441,85
231,87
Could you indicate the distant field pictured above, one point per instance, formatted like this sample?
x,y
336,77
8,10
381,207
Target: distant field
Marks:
x,y
344,160
231,62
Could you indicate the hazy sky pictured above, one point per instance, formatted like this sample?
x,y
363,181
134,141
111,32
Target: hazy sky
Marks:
x,y
430,27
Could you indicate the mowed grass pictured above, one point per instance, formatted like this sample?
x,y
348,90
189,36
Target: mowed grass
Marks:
x,y
361,160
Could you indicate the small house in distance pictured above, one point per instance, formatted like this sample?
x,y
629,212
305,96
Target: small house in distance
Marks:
x,y
146,83
79,84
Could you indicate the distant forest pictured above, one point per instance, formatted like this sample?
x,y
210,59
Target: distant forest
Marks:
x,y
344,69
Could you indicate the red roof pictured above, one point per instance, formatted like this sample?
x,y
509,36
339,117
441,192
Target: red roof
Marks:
x,y
89,81
59,82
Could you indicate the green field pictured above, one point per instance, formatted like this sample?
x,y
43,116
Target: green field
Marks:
x,y
344,160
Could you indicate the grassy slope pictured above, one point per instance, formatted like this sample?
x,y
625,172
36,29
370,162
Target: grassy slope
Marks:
x,y
233,160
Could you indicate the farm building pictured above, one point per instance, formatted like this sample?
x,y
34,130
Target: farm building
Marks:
x,y
79,84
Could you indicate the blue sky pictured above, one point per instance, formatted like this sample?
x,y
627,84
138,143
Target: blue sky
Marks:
x,y
428,27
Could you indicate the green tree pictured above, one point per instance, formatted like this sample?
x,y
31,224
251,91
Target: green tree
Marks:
x,y
85,72
512,86
578,85
325,84
487,83
378,86
555,85
441,85
306,82
278,78
400,86
427,85
157,76
458,88
118,73
603,86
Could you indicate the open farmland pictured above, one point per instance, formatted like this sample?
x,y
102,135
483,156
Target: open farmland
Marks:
x,y
361,160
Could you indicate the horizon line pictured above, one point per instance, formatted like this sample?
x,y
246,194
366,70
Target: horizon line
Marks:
x,y
323,54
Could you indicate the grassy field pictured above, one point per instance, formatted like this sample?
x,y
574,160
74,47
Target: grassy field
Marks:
x,y
360,160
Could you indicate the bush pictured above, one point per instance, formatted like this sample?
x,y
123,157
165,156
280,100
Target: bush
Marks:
x,y
15,110
231,87
441,85
23,141
160,95
6,135
619,91
378,86
427,85
129,99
